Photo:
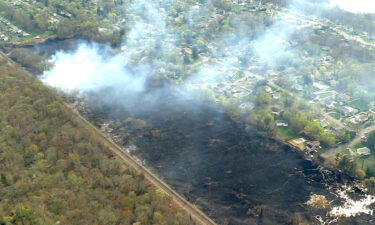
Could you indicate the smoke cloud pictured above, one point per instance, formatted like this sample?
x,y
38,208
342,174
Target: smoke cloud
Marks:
x,y
153,48
89,68
355,6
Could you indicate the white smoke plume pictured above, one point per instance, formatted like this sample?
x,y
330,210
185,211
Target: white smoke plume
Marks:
x,y
151,42
92,68
88,69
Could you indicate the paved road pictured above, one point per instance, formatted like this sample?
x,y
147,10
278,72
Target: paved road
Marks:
x,y
332,152
330,119
194,213
344,34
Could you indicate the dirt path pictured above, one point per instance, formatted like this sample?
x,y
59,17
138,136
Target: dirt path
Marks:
x,y
194,213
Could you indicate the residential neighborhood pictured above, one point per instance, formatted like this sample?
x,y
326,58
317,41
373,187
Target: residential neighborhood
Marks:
x,y
337,112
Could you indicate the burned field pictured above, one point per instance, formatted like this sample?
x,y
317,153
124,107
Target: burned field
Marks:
x,y
234,174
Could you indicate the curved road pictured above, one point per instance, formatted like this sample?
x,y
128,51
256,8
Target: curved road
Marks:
x,y
332,152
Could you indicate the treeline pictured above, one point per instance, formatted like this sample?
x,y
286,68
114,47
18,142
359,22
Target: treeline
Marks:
x,y
52,171
363,22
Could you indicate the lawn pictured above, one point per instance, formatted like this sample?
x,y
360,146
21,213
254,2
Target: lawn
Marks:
x,y
325,95
359,105
285,133
335,115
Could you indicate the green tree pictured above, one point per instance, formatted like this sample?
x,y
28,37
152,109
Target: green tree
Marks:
x,y
327,139
313,129
346,164
371,141
262,98
4,180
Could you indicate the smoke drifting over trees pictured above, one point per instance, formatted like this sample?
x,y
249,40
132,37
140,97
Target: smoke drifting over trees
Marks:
x,y
153,47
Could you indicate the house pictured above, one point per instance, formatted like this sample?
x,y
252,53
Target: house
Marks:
x,y
313,145
268,89
276,95
348,111
364,151
328,58
320,86
280,123
359,118
276,111
330,104
298,143
297,87
343,98
247,106
273,73
324,123
333,83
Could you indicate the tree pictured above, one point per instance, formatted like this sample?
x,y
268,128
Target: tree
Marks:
x,y
4,180
346,164
371,141
297,119
33,62
107,217
262,98
327,139
187,59
194,53
65,28
23,215
44,149
313,129
307,79
267,123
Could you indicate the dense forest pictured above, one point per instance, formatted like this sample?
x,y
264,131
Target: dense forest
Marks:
x,y
52,171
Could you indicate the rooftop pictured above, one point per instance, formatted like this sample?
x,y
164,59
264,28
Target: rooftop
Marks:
x,y
364,151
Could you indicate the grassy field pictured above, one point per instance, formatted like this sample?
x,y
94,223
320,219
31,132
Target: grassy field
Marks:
x,y
285,133
325,95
